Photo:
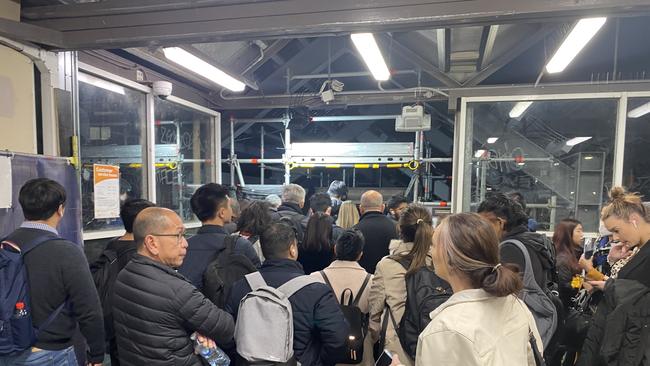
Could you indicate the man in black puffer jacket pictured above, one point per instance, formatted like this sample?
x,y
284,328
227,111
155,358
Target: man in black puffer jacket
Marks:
x,y
155,309
320,329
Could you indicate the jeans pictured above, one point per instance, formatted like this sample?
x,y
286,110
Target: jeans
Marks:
x,y
64,357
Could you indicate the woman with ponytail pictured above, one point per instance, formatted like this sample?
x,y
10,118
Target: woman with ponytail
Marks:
x,y
388,292
483,323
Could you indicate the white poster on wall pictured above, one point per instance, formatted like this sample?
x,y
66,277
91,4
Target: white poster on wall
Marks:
x,y
107,191
5,182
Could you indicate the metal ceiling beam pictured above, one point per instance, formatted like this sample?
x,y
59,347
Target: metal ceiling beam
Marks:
x,y
24,32
426,66
443,48
360,98
488,37
512,54
127,23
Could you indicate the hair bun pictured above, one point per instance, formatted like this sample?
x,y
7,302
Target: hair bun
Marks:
x,y
617,193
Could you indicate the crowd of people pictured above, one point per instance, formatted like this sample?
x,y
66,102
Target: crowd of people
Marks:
x,y
274,282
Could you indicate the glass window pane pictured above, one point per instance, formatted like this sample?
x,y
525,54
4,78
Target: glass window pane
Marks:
x,y
111,119
636,169
558,154
183,155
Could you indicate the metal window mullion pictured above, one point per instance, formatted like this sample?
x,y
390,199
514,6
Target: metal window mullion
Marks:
x,y
619,146
216,145
150,148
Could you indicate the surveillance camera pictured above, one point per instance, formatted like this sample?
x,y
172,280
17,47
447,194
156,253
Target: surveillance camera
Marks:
x,y
162,89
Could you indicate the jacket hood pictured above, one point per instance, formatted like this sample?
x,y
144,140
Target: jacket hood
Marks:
x,y
540,243
290,206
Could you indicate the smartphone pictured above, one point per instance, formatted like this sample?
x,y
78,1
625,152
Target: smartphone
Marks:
x,y
385,359
589,248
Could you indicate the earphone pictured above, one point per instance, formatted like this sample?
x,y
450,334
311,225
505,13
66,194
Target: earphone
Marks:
x,y
635,225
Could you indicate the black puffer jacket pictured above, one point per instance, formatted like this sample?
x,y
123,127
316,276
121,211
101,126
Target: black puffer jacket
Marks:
x,y
156,310
620,333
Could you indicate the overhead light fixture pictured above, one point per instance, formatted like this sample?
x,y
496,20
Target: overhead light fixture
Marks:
x,y
577,140
203,68
639,111
580,35
519,109
369,50
492,140
100,83
479,153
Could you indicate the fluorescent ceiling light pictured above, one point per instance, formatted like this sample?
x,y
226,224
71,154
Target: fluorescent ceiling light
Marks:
x,y
519,109
479,153
492,140
577,140
367,47
639,111
580,35
100,83
202,68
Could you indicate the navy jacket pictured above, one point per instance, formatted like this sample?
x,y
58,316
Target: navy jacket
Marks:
x,y
320,330
378,230
204,246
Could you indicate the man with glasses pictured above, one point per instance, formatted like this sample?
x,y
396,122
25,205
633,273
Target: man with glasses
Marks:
x,y
156,309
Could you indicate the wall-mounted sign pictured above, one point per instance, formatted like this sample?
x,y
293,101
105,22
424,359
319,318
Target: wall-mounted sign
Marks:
x,y
107,191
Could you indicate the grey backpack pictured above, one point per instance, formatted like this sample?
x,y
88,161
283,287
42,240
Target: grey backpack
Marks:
x,y
264,329
539,303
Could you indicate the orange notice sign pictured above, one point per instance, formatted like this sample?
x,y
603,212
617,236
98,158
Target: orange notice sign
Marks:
x,y
107,191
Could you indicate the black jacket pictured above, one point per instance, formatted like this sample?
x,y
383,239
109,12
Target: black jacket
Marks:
x,y
620,332
540,250
156,309
566,272
58,270
378,230
320,330
123,251
204,246
289,209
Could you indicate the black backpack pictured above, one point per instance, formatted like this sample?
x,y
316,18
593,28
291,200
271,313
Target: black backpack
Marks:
x,y
104,272
357,320
425,291
226,268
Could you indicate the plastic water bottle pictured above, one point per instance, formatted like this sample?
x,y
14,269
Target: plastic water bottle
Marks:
x,y
20,311
215,356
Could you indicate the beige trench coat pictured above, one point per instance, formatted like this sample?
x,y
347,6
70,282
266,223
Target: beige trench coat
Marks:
x,y
474,328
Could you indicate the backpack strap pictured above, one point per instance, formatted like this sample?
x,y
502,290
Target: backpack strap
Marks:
x,y
255,280
528,271
361,290
26,247
51,318
327,280
291,287
229,243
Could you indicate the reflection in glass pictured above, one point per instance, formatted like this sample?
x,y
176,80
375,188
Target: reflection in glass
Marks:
x,y
111,119
636,169
558,154
183,155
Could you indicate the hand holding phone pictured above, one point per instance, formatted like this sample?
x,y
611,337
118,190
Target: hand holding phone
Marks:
x,y
386,359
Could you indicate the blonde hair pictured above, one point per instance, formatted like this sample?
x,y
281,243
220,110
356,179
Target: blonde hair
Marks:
x,y
622,204
348,215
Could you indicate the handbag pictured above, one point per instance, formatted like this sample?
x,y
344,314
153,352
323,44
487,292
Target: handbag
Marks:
x,y
380,345
578,321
